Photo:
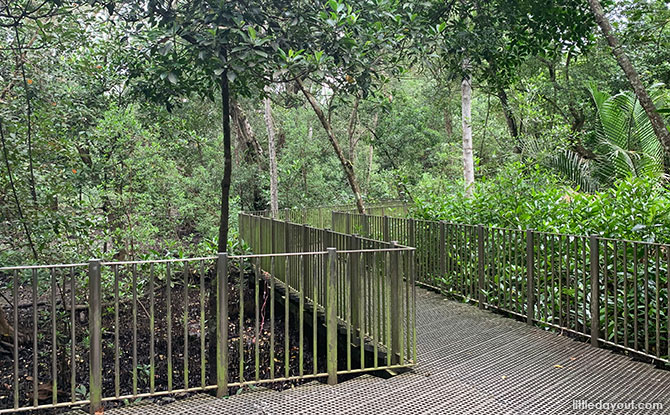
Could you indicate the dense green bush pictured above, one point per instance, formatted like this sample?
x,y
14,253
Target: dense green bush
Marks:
x,y
525,197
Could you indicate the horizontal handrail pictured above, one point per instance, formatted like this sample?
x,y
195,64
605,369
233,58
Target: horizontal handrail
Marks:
x,y
612,291
357,263
156,317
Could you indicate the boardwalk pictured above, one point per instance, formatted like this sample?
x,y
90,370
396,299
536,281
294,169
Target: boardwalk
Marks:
x,y
470,361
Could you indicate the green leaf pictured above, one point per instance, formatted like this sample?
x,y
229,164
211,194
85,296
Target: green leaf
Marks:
x,y
166,48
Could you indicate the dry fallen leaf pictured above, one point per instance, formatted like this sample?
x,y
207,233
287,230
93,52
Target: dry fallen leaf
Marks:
x,y
558,366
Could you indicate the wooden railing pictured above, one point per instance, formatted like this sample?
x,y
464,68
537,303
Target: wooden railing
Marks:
x,y
321,216
374,283
89,333
614,292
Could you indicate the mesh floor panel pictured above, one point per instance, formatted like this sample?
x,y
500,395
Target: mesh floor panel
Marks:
x,y
470,362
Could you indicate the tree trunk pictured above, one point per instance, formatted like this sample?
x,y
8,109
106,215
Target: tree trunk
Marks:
x,y
370,159
254,151
634,79
272,153
509,118
448,124
346,164
310,134
351,131
20,62
466,115
22,219
227,164
375,123
225,208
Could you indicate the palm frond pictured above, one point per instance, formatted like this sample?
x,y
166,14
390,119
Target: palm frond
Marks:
x,y
626,141
574,168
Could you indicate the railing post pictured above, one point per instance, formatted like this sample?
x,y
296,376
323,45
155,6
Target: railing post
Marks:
x,y
594,250
287,237
355,293
412,233
530,276
222,325
325,240
396,305
480,265
288,241
331,316
366,225
333,215
385,228
95,333
306,260
442,250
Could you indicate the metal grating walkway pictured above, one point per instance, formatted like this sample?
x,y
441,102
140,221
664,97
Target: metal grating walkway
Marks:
x,y
470,362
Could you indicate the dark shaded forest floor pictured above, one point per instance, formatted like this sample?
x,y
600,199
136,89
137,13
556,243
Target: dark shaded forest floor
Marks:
x,y
186,340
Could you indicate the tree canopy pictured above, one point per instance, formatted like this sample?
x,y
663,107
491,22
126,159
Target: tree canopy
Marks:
x,y
136,128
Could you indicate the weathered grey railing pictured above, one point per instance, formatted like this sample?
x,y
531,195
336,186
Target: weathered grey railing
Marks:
x,y
374,283
101,331
614,292
321,216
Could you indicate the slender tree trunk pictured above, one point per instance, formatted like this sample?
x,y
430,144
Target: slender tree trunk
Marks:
x,y
19,61
225,210
272,153
310,134
346,164
466,115
254,151
448,124
509,118
375,122
227,164
370,159
16,197
23,59
351,132
634,79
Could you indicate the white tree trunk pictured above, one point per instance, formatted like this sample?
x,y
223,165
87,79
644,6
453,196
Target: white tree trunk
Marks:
x,y
466,115
310,134
272,153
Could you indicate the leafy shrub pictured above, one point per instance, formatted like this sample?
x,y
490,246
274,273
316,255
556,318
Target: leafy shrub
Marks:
x,y
523,197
